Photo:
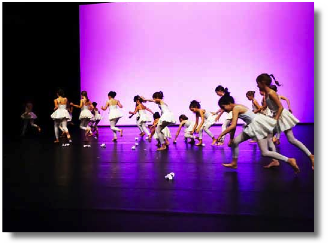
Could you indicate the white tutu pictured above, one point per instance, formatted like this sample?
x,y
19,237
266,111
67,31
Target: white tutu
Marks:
x,y
97,117
260,126
167,117
189,128
29,115
286,121
86,113
70,117
114,112
61,113
267,112
210,120
165,131
143,116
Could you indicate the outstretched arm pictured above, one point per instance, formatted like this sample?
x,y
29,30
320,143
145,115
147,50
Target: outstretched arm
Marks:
x,y
233,125
179,129
288,103
275,98
56,104
105,108
119,104
78,106
149,110
201,112
257,106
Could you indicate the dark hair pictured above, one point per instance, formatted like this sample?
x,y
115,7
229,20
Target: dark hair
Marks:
x,y
226,100
61,92
222,89
112,94
158,95
137,97
266,78
274,87
250,93
183,117
156,115
194,104
85,94
94,104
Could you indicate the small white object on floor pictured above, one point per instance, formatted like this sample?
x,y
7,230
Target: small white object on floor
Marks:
x,y
87,146
169,177
96,138
103,145
172,174
133,147
136,144
67,144
203,144
63,145
136,138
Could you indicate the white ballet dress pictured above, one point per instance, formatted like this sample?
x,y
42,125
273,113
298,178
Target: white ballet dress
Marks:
x,y
97,116
167,116
28,115
286,120
143,116
61,113
189,126
114,112
85,113
209,119
258,126
165,131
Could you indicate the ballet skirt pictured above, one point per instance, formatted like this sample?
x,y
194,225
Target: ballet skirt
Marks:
x,y
286,120
29,115
61,113
165,131
143,116
189,126
209,119
97,116
258,126
167,116
85,113
114,112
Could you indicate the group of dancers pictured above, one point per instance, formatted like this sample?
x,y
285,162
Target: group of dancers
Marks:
x,y
261,123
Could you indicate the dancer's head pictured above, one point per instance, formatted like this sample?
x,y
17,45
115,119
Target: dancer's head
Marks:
x,y
138,99
84,94
226,103
265,80
194,105
158,96
111,94
250,95
61,93
29,105
220,91
94,104
156,115
183,117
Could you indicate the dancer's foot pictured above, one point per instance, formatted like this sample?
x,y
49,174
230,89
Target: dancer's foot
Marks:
x,y
197,138
232,165
162,148
312,160
114,139
39,129
274,163
121,132
277,142
56,141
167,143
220,143
214,141
200,142
292,163
192,141
142,134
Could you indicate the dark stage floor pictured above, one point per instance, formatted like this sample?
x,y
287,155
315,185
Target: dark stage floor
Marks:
x,y
47,187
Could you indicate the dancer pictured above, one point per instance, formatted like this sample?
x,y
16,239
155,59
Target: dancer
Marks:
x,y
208,119
142,117
264,109
189,126
28,117
221,91
114,113
166,131
95,120
85,115
286,120
61,115
255,106
258,127
166,119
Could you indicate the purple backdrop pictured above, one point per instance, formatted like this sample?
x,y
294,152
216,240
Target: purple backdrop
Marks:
x,y
187,49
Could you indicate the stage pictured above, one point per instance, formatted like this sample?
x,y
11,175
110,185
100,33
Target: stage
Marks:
x,y
47,187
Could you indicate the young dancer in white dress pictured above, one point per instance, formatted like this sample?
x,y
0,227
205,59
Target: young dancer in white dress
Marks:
x,y
85,115
60,115
95,120
259,128
221,91
114,113
256,108
142,116
207,120
166,131
189,127
28,117
166,119
285,120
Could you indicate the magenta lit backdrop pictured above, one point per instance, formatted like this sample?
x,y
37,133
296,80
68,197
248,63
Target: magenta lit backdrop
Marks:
x,y
187,49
